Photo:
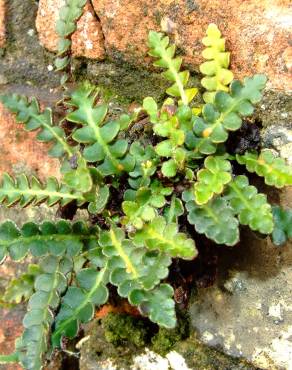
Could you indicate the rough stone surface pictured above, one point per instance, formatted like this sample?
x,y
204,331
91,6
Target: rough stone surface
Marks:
x,y
23,60
248,312
279,138
257,31
2,23
87,41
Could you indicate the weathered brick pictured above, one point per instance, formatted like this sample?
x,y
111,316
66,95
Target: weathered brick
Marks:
x,y
20,151
87,41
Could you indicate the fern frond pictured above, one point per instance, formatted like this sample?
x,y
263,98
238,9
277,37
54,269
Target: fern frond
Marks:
x,y
225,114
252,208
218,77
145,165
100,139
160,48
134,268
57,239
274,169
37,322
28,113
215,219
23,191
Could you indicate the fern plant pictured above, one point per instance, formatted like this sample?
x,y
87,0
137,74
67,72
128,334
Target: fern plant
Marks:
x,y
138,193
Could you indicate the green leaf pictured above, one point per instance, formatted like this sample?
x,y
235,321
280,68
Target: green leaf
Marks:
x,y
159,235
101,200
79,179
283,225
150,106
215,219
145,166
212,178
169,168
252,208
274,169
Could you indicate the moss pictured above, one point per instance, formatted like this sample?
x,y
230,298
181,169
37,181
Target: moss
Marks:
x,y
128,83
200,357
120,337
120,328
165,339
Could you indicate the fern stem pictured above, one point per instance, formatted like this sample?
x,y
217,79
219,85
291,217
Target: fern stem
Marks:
x,y
100,140
118,245
54,237
176,76
57,137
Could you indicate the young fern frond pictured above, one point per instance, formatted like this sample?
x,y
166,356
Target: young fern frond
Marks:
x,y
218,77
160,48
23,191
66,25
101,141
141,206
173,124
225,114
252,208
145,165
28,113
274,169
162,236
212,178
